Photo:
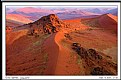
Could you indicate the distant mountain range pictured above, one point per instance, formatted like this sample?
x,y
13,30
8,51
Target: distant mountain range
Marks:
x,y
104,11
30,14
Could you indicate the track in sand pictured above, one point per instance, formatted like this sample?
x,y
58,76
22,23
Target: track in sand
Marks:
x,y
52,49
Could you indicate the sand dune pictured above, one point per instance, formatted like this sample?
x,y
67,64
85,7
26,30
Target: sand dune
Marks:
x,y
10,38
18,18
66,57
12,23
44,50
108,21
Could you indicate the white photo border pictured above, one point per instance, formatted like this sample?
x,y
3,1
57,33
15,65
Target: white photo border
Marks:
x,y
4,4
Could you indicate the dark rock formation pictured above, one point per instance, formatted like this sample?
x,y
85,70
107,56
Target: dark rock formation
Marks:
x,y
100,71
8,29
48,24
93,58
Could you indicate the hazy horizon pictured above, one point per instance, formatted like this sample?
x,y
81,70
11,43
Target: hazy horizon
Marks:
x,y
63,7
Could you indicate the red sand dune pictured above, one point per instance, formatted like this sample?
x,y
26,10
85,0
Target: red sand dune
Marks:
x,y
10,38
113,17
63,67
108,21
59,58
18,18
12,23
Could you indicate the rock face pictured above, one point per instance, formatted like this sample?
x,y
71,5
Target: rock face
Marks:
x,y
47,24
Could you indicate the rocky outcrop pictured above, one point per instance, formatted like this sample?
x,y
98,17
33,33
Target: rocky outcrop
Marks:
x,y
93,58
100,71
47,24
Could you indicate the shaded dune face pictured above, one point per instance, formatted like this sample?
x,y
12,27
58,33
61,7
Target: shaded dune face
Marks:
x,y
108,21
105,21
44,47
